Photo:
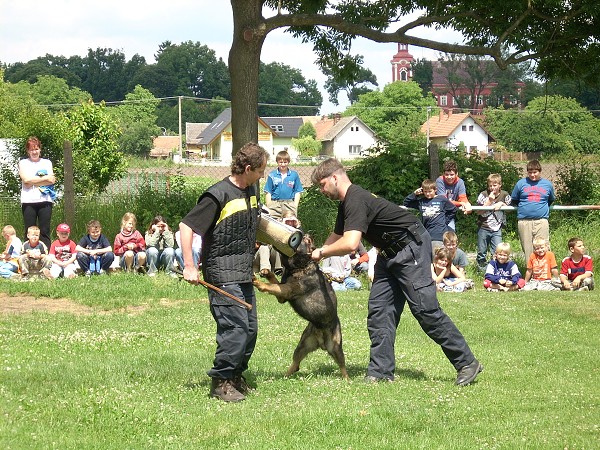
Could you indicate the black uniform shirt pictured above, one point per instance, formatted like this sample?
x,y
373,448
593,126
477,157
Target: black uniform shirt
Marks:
x,y
373,216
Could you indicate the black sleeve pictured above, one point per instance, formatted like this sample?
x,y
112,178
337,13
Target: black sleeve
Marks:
x,y
203,216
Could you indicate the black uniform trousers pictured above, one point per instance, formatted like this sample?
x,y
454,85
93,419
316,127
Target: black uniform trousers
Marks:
x,y
237,329
406,278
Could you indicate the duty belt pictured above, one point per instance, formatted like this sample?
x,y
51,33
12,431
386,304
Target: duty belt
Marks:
x,y
401,240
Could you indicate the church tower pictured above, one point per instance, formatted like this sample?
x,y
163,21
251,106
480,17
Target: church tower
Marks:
x,y
401,64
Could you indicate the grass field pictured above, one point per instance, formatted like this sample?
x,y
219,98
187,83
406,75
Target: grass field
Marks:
x,y
120,362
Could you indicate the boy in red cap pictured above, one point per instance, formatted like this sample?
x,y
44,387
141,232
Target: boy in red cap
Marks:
x,y
62,255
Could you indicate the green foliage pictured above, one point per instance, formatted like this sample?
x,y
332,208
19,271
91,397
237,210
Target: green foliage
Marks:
x,y
577,180
137,120
125,358
307,146
392,173
96,159
307,129
173,204
317,214
550,125
282,84
395,113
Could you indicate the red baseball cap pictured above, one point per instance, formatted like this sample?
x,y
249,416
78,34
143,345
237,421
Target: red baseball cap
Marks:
x,y
63,228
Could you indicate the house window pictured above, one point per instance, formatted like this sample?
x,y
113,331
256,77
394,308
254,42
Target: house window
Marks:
x,y
443,100
480,100
454,102
470,127
354,149
278,128
464,128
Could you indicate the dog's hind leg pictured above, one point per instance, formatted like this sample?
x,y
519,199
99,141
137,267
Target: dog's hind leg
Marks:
x,y
308,343
333,345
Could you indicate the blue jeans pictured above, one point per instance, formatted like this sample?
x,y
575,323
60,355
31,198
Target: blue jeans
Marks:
x,y
485,239
179,257
158,258
349,284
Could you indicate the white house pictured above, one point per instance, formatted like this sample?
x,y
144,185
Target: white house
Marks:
x,y
450,130
344,137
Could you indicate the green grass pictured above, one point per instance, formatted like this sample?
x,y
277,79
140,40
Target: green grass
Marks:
x,y
131,374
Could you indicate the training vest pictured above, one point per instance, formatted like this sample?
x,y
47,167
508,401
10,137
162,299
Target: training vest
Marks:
x,y
228,251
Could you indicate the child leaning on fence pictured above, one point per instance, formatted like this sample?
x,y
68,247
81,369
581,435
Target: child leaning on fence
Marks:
x,y
490,222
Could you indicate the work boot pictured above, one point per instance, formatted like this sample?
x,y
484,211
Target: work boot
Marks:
x,y
240,383
225,390
468,373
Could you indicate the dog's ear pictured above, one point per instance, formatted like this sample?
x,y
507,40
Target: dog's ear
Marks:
x,y
310,245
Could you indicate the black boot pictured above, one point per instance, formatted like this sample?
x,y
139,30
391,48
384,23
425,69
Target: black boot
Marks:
x,y
225,390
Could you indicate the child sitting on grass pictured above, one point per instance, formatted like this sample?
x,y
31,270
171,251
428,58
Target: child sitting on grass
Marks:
x,y
447,277
577,270
130,245
501,274
34,257
62,255
94,253
9,259
541,268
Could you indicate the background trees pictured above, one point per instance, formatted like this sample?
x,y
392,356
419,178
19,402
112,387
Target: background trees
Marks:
x,y
546,31
549,125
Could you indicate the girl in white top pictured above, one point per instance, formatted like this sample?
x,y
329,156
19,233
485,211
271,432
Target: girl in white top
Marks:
x,y
36,205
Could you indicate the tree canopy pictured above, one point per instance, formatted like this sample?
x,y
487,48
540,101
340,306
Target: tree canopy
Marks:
x,y
562,36
550,125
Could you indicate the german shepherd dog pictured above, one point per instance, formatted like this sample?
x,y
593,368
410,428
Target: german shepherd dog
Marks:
x,y
309,293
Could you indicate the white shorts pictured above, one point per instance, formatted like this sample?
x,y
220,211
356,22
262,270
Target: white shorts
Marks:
x,y
67,271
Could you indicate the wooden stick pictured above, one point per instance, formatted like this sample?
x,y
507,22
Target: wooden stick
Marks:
x,y
207,285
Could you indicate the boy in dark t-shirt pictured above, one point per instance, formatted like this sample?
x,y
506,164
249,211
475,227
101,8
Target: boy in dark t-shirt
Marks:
x,y
94,252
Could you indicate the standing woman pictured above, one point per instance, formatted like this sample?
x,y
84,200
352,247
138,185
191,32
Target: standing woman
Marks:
x,y
36,201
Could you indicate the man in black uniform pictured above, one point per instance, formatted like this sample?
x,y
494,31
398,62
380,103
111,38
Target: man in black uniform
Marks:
x,y
402,272
226,217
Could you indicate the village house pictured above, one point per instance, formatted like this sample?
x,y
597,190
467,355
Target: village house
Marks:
x,y
451,130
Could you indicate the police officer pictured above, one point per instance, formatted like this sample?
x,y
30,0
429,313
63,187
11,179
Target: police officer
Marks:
x,y
402,273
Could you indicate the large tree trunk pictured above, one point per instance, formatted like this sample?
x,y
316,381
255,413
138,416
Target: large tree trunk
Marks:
x,y
244,63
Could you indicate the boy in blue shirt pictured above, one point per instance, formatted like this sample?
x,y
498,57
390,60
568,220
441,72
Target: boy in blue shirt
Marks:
x,y
94,252
532,196
501,274
283,188
436,211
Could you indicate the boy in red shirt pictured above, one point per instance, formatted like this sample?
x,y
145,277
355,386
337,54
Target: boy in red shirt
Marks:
x,y
542,270
576,273
62,255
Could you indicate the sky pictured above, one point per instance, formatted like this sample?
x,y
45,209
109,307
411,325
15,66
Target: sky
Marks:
x,y
33,28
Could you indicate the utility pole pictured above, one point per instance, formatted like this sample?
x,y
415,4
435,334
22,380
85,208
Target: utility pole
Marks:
x,y
180,136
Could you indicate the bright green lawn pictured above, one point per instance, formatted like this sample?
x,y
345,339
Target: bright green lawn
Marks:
x,y
135,377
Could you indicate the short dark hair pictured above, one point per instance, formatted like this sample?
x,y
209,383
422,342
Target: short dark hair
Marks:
x,y
251,154
94,224
326,169
450,166
534,164
573,241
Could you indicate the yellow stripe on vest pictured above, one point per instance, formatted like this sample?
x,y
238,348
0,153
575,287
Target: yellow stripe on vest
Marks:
x,y
236,206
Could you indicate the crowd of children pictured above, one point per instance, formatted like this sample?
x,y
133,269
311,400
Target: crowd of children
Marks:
x,y
93,254
438,203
